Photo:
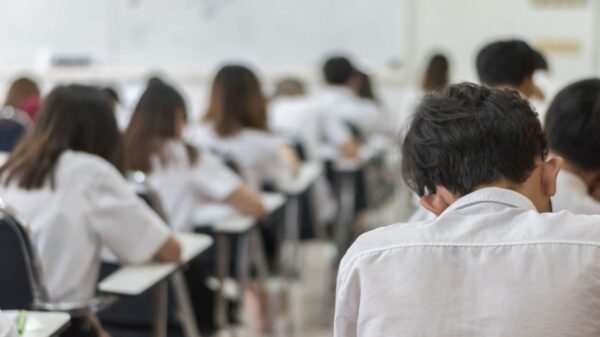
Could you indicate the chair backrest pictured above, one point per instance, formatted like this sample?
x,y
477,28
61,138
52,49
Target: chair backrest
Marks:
x,y
10,134
20,279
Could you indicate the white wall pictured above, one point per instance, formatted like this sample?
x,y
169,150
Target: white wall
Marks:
x,y
461,27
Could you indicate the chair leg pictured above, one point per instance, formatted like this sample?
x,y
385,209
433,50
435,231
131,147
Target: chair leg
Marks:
x,y
182,295
159,328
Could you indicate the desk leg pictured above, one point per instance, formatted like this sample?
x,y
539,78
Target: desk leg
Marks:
x,y
289,254
187,317
259,260
159,328
222,262
347,210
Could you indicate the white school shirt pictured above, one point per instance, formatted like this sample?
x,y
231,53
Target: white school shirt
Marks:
x,y
257,153
300,117
91,205
184,187
343,103
7,328
490,265
572,195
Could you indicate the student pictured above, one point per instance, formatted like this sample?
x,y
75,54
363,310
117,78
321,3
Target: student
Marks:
x,y
184,177
364,88
293,113
573,129
64,179
236,127
24,95
338,97
495,262
510,64
436,75
7,328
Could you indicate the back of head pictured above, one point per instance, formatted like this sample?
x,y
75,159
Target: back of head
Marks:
x,y
436,74
338,70
236,101
158,115
289,87
573,124
20,90
467,136
73,117
507,62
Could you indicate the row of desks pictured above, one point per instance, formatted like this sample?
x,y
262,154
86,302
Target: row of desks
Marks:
x,y
134,280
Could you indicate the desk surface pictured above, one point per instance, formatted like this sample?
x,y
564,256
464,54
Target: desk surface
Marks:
x,y
308,174
41,324
238,223
366,153
136,279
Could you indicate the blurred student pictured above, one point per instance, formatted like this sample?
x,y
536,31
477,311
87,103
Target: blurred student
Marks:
x,y
508,64
122,114
363,87
437,74
24,95
294,114
496,261
573,129
65,179
184,177
235,126
338,97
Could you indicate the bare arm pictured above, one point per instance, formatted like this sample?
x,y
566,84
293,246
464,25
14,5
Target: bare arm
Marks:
x,y
247,201
170,251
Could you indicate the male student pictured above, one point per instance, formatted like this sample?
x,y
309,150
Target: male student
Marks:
x,y
338,97
509,63
573,129
504,64
494,262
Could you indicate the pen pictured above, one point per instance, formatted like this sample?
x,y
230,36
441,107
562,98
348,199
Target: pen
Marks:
x,y
21,319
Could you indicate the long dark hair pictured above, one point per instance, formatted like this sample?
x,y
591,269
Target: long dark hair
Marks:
x,y
436,75
73,117
153,121
236,101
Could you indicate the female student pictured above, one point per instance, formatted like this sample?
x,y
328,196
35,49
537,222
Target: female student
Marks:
x,y
24,95
184,177
64,178
236,127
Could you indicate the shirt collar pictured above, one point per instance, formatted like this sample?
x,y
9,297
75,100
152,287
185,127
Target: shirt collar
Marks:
x,y
494,195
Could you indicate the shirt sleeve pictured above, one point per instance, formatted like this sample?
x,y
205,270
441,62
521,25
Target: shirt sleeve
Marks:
x,y
213,178
125,224
334,130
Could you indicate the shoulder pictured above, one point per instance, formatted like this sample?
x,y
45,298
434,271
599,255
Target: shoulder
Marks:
x,y
76,161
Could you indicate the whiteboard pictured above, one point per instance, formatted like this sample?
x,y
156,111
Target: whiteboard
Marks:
x,y
201,34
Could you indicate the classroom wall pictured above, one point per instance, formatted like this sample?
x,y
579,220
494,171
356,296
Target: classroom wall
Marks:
x,y
461,27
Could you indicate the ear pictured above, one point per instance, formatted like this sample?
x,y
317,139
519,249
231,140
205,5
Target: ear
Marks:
x,y
550,169
437,202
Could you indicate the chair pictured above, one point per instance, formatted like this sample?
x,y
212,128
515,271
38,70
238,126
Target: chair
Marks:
x,y
136,312
13,124
21,283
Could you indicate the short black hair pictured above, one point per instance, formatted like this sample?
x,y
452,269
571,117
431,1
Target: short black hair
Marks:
x,y
506,62
338,70
573,124
468,135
